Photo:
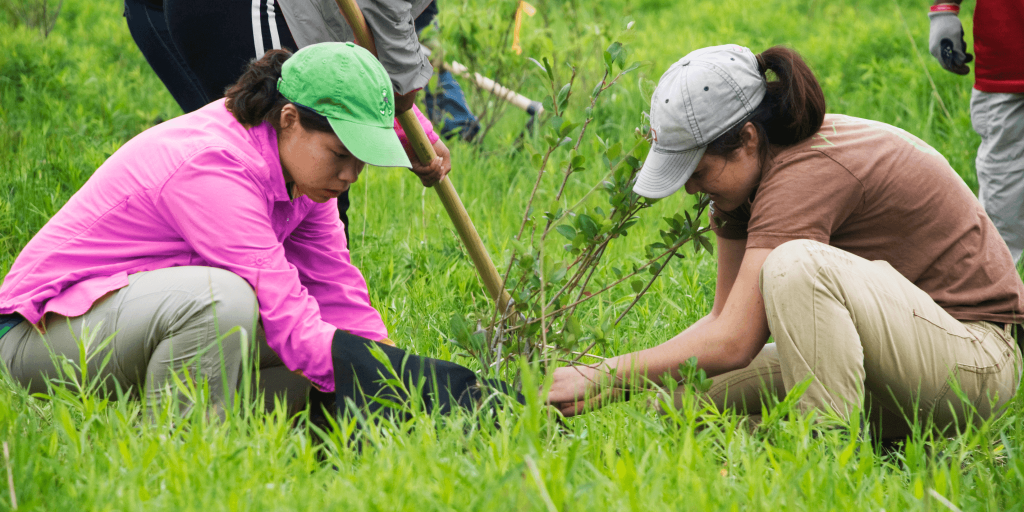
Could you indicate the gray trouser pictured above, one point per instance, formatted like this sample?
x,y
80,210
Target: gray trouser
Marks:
x,y
867,336
166,327
999,119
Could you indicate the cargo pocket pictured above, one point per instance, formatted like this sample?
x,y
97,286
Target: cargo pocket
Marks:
x,y
983,373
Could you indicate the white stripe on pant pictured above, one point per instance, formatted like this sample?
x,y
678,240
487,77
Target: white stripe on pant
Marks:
x,y
257,27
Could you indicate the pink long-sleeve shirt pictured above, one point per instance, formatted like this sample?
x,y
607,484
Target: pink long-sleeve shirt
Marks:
x,y
202,190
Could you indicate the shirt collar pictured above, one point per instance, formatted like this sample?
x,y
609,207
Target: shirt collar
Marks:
x,y
265,138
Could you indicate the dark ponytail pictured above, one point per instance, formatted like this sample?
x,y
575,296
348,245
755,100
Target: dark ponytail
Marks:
x,y
254,97
792,110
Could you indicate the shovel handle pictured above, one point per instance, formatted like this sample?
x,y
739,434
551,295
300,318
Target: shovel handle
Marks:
x,y
426,154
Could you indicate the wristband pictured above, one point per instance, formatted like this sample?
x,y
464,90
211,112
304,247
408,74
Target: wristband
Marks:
x,y
953,8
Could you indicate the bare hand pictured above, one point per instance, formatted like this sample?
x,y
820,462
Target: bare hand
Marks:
x,y
579,389
436,170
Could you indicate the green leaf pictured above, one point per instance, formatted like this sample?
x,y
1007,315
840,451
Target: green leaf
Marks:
x,y
614,151
587,225
566,128
573,325
706,244
578,161
566,231
537,160
519,247
563,97
557,274
637,285
555,124
547,67
613,53
632,67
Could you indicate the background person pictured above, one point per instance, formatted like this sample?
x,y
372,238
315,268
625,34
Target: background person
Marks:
x,y
220,218
997,102
198,49
851,242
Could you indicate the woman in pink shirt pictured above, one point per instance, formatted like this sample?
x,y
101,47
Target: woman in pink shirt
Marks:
x,y
209,228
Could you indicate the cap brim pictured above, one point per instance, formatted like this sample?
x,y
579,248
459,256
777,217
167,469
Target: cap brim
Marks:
x,y
372,144
665,173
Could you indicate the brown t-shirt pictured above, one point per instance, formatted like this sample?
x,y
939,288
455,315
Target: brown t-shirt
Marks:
x,y
883,194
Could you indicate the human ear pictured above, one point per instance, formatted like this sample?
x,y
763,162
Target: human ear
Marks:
x,y
750,137
289,116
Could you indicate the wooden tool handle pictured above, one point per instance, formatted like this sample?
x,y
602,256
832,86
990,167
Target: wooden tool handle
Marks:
x,y
426,154
354,17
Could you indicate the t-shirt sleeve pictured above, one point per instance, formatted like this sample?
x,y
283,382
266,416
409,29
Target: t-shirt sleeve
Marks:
x,y
221,211
318,249
398,46
806,197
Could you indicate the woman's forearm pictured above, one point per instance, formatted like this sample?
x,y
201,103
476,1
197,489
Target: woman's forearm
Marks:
x,y
702,340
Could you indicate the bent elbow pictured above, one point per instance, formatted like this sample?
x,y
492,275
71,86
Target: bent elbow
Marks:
x,y
739,353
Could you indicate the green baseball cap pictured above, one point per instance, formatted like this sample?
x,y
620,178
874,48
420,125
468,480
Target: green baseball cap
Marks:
x,y
347,85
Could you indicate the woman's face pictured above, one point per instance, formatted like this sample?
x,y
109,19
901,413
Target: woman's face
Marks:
x,y
729,181
316,162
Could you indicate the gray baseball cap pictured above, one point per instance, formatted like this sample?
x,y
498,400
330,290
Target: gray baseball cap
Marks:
x,y
700,97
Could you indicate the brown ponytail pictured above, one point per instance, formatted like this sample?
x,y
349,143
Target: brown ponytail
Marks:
x,y
254,97
792,110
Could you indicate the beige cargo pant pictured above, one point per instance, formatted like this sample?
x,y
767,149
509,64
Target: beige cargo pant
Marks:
x,y
164,323
868,338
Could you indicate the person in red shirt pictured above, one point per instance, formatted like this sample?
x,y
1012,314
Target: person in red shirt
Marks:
x,y
997,102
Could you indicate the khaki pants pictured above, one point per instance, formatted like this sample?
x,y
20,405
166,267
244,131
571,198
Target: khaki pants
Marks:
x,y
163,323
861,331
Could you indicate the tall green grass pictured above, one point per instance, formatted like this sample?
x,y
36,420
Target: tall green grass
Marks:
x,y
70,100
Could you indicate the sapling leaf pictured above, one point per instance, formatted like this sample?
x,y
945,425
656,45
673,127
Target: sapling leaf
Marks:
x,y
706,244
520,247
547,67
541,66
555,124
614,53
566,231
537,160
573,326
557,274
566,127
614,151
632,67
587,225
637,285
563,96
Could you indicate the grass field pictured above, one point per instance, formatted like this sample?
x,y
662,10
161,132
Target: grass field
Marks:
x,y
70,100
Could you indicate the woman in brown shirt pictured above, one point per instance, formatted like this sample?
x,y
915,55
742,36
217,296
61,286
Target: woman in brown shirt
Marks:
x,y
851,242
